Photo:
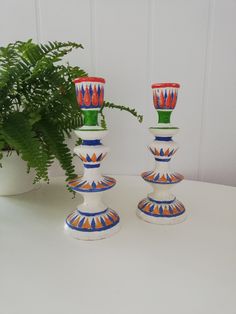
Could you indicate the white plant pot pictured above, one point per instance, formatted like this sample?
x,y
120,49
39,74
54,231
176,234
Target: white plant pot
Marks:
x,y
14,178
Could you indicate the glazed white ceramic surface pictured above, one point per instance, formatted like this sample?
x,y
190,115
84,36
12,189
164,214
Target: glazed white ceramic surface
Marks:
x,y
162,192
161,206
93,219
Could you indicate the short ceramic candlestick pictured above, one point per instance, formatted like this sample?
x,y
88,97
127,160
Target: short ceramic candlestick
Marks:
x,y
92,219
161,206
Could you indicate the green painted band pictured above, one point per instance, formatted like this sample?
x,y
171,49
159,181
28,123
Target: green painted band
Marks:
x,y
164,116
90,117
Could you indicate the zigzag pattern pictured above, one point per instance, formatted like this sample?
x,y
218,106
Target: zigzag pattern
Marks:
x,y
90,96
166,100
93,158
161,152
82,185
97,222
167,178
161,210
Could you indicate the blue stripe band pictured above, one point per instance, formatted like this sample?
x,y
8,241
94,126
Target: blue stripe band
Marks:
x,y
163,138
90,107
92,214
91,166
161,202
159,182
92,190
91,142
165,159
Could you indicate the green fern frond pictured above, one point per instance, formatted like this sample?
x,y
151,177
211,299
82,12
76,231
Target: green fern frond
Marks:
x,y
103,120
133,112
38,107
54,140
79,141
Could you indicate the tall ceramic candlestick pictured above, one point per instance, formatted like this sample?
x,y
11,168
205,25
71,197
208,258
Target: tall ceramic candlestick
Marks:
x,y
93,219
161,206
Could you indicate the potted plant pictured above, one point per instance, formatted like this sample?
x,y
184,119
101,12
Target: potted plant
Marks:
x,y
38,111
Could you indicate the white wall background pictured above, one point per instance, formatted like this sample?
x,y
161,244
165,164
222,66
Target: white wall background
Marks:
x,y
133,43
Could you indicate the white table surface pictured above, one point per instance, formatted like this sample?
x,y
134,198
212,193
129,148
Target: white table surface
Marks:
x,y
187,268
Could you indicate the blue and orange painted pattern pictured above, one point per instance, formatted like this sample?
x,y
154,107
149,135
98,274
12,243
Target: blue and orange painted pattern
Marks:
x,y
161,210
162,153
165,100
90,96
93,158
93,222
82,185
168,178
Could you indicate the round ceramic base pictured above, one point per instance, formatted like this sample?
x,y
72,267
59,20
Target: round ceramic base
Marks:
x,y
92,226
161,212
90,236
161,220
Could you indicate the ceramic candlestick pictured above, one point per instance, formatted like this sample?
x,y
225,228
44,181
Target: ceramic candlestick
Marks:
x,y
161,206
93,219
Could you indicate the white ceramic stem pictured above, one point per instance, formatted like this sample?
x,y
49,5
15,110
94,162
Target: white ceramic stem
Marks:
x,y
161,206
93,219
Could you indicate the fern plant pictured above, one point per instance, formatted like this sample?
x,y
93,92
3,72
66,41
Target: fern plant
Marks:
x,y
38,108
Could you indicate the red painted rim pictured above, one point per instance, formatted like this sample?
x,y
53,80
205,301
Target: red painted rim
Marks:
x,y
160,85
89,79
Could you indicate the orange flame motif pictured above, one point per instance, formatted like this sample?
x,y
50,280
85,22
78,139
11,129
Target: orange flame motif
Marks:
x,y
101,96
166,153
174,100
155,99
162,100
95,96
168,101
87,97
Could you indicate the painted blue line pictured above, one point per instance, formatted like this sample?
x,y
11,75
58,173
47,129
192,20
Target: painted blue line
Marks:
x,y
103,222
80,184
91,142
164,160
110,218
91,165
72,220
92,214
89,107
81,222
161,202
163,138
